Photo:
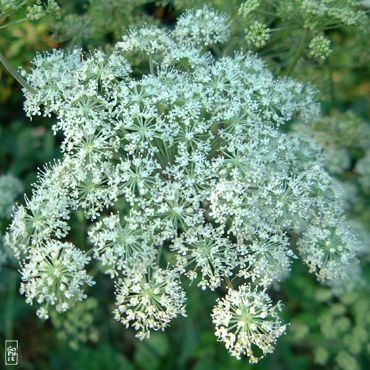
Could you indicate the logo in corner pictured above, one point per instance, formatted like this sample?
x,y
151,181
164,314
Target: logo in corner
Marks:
x,y
11,352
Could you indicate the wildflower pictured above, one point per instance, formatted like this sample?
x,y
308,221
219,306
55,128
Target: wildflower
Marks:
x,y
181,170
257,34
248,7
146,40
149,300
327,247
246,318
203,26
54,275
320,47
206,251
120,245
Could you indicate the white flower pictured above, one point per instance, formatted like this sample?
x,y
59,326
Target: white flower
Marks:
x,y
121,244
149,300
203,26
176,160
246,318
205,251
54,275
328,247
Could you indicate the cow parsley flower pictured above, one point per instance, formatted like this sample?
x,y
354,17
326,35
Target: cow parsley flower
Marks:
x,y
246,318
53,275
146,40
320,47
327,247
257,34
149,300
177,163
248,7
203,26
120,244
204,250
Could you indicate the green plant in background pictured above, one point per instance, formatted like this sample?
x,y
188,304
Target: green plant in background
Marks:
x,y
363,170
302,23
10,189
344,137
77,325
338,337
28,10
333,329
96,21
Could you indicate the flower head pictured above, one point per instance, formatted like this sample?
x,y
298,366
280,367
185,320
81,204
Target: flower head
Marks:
x,y
203,26
54,275
149,300
320,47
177,161
246,318
257,34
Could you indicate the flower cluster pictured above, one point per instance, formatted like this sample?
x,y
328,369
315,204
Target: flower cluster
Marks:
x,y
35,9
149,300
180,168
341,136
77,326
302,23
345,139
327,247
53,275
246,318
320,47
202,26
257,34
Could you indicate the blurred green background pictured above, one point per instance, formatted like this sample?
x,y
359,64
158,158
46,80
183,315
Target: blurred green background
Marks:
x,y
330,328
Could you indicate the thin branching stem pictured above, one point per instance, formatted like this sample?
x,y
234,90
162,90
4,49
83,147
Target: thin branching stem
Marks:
x,y
298,53
16,74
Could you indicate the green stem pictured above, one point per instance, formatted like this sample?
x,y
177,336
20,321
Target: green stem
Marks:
x,y
216,49
10,267
298,53
151,67
159,254
12,23
16,74
9,313
332,88
229,283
